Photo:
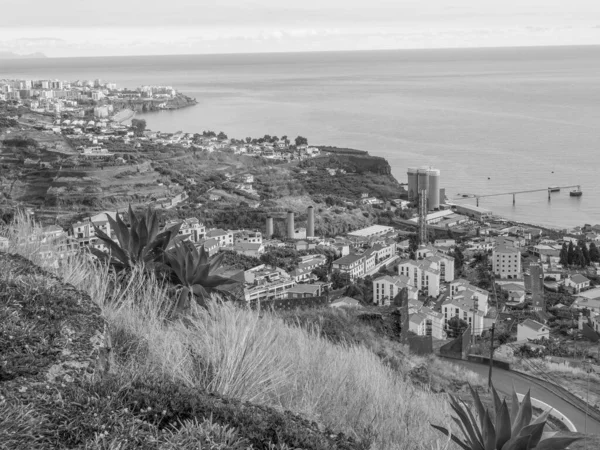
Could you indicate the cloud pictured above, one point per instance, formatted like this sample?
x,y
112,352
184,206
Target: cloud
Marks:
x,y
254,38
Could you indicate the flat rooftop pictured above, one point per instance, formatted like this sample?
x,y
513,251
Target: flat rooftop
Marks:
x,y
373,230
473,208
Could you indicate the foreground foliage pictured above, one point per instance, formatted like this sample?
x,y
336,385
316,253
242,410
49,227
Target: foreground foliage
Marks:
x,y
141,243
503,430
194,274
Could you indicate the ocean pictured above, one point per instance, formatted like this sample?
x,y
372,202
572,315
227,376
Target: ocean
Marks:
x,y
492,120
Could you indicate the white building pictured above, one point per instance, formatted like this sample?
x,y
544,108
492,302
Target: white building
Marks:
x,y
424,274
266,283
224,238
464,291
385,288
373,230
577,282
464,309
191,228
506,262
307,264
426,322
352,264
532,330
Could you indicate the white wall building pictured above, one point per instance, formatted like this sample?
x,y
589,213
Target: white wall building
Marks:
x,y
352,264
531,330
464,310
506,262
427,322
385,288
425,275
224,238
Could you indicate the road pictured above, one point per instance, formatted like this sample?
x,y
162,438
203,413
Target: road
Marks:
x,y
504,380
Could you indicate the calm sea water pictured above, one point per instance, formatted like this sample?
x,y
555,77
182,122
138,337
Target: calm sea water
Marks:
x,y
492,120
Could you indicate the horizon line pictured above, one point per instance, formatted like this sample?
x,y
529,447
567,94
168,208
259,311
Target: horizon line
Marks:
x,y
276,52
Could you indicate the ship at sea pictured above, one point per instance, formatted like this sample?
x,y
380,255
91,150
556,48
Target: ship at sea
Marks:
x,y
554,189
576,193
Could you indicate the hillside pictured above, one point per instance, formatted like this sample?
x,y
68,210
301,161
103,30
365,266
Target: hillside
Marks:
x,y
223,375
47,172
59,388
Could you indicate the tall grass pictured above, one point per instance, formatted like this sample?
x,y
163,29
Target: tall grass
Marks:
x,y
252,356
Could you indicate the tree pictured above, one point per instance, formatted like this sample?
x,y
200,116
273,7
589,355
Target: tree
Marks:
x,y
594,253
321,273
564,255
459,260
456,326
221,136
571,253
340,279
300,140
139,126
585,252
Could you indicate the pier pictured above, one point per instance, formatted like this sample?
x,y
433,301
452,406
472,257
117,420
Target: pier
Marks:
x,y
514,193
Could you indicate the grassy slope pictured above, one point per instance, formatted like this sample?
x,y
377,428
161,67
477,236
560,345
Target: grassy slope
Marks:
x,y
244,355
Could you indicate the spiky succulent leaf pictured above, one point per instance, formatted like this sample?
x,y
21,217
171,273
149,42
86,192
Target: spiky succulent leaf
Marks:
x,y
514,406
488,432
191,268
503,430
524,415
543,417
517,443
481,411
116,256
455,439
497,404
138,244
535,430
475,426
556,443
466,422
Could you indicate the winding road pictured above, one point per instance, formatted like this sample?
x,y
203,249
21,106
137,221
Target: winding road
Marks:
x,y
569,405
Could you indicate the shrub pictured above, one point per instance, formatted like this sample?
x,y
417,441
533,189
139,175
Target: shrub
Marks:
x,y
141,243
507,433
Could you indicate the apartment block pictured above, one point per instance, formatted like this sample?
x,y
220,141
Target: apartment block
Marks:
x,y
506,262
385,288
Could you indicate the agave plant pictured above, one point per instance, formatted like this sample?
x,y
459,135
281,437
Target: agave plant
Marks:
x,y
506,430
194,273
139,244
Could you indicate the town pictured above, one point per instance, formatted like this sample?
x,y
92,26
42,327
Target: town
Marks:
x,y
480,272
298,227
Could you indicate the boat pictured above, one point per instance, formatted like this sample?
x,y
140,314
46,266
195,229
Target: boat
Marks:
x,y
576,193
554,189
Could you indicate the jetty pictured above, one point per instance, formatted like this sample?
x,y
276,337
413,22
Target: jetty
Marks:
x,y
514,193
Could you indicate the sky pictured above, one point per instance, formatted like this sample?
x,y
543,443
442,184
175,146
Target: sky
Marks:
x,y
69,28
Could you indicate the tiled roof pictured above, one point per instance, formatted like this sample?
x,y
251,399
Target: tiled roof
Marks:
x,y
578,279
536,326
348,259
